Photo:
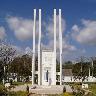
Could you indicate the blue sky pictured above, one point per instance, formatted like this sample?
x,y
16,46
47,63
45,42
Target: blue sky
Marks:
x,y
79,21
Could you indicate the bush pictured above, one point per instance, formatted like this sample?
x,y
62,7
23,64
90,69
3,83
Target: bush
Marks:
x,y
66,94
64,89
90,94
19,93
3,91
80,92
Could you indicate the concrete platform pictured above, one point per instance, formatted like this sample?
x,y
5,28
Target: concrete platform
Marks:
x,y
47,89
57,89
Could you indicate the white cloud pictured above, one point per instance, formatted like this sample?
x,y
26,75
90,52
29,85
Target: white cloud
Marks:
x,y
49,29
2,33
85,34
28,51
49,26
22,51
75,28
69,50
66,47
22,28
19,51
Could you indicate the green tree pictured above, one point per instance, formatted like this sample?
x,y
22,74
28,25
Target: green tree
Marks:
x,y
1,71
93,68
79,72
67,65
21,66
7,53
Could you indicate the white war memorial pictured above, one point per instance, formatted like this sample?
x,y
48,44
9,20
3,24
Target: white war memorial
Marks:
x,y
46,73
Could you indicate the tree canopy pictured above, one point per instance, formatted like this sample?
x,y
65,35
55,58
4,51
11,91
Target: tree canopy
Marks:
x,y
7,53
81,70
21,65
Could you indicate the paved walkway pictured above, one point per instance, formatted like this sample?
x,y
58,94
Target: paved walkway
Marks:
x,y
20,87
57,89
68,88
47,90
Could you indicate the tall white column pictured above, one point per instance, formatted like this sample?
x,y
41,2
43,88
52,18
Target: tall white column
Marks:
x,y
60,45
33,58
54,70
39,50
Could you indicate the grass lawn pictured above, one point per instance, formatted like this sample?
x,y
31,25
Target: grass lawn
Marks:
x,y
5,92
92,87
64,94
19,93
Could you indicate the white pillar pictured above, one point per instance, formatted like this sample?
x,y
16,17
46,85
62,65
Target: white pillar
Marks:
x,y
60,45
39,50
54,69
33,58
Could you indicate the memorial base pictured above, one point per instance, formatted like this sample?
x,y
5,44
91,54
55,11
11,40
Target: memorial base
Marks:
x,y
53,89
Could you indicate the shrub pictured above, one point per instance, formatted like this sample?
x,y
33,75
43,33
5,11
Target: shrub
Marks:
x,y
19,93
66,94
3,91
64,89
80,92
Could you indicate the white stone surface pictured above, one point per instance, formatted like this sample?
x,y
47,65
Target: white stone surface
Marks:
x,y
55,89
60,45
48,64
39,50
54,67
33,58
84,85
7,84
